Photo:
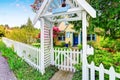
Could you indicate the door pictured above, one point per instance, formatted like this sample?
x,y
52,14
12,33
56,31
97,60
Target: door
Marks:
x,y
75,39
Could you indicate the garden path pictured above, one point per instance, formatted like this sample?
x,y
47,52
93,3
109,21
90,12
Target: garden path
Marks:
x,y
62,75
5,72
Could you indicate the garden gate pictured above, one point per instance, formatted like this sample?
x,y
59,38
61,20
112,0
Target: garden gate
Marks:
x,y
65,59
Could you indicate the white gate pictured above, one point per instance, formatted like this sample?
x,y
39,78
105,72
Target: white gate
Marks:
x,y
65,59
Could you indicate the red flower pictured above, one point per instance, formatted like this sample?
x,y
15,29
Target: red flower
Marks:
x,y
56,30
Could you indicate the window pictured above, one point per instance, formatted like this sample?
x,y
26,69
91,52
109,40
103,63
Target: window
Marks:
x,y
88,37
94,37
61,37
67,34
91,37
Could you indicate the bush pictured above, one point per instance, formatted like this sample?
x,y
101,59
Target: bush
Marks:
x,y
107,43
63,44
79,46
117,46
78,74
93,44
36,45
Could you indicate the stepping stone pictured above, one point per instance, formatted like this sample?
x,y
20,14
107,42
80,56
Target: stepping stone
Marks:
x,y
62,75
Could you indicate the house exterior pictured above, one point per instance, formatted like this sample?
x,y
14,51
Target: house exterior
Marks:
x,y
69,36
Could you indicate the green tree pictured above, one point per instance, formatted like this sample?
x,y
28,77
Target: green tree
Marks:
x,y
2,30
108,18
26,33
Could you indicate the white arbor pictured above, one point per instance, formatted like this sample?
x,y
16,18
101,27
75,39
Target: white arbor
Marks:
x,y
50,12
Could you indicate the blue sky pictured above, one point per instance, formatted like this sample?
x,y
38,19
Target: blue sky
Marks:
x,y
15,12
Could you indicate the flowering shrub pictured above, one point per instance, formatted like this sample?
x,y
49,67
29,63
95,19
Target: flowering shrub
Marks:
x,y
55,31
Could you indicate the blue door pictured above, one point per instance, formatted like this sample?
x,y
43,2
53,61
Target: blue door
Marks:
x,y
75,39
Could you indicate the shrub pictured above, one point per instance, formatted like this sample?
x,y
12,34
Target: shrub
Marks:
x,y
79,46
78,74
36,45
63,44
117,46
107,43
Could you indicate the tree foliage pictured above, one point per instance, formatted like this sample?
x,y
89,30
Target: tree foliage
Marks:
x,y
108,18
2,30
26,33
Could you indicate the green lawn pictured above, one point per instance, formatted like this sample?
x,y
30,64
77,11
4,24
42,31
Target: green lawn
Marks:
x,y
21,69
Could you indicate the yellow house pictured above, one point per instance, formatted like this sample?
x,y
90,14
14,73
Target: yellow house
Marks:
x,y
69,36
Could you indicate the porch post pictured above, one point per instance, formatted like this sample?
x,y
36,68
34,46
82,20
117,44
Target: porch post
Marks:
x,y
84,44
42,46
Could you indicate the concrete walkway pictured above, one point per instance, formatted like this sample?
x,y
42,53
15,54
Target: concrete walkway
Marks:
x,y
5,72
62,75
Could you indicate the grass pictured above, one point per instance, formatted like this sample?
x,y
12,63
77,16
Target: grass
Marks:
x,y
36,45
77,75
21,69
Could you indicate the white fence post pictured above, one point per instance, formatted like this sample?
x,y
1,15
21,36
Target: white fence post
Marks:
x,y
92,72
112,73
101,72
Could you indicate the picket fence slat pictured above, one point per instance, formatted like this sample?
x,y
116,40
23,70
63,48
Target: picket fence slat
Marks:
x,y
92,71
112,73
101,72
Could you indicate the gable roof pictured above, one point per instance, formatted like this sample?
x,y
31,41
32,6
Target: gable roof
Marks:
x,y
82,3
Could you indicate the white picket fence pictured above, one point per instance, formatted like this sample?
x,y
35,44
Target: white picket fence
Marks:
x,y
65,59
30,54
102,71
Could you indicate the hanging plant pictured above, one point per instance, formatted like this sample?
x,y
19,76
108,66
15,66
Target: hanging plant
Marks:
x,y
63,3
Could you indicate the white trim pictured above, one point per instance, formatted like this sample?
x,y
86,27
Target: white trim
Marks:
x,y
70,11
47,5
42,46
64,19
52,55
68,19
40,11
87,7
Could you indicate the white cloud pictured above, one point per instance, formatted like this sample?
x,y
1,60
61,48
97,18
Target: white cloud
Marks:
x,y
24,8
17,5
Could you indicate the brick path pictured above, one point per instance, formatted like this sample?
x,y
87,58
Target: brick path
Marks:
x,y
5,72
